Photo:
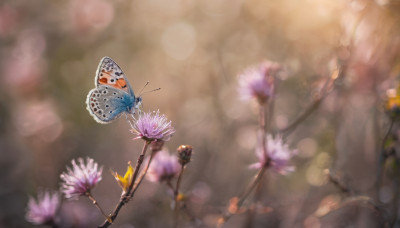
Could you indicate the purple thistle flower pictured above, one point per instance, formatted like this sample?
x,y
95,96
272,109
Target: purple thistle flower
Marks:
x,y
279,155
163,167
44,210
153,126
258,82
81,178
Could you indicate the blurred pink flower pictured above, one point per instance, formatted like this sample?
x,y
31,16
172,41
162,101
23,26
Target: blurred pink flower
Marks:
x,y
258,82
279,155
81,178
38,119
90,15
200,193
163,167
153,126
8,20
24,67
44,210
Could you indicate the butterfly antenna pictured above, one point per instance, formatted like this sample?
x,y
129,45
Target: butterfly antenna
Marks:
x,y
140,93
151,90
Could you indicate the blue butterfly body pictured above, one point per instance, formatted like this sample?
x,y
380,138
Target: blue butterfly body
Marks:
x,y
113,94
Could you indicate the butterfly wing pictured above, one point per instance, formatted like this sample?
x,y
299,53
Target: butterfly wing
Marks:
x,y
109,73
107,103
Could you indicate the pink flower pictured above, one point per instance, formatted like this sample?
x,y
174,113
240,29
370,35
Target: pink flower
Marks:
x,y
153,126
81,178
258,82
163,167
90,15
44,210
279,155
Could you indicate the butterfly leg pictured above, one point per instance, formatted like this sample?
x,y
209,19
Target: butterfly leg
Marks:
x,y
131,120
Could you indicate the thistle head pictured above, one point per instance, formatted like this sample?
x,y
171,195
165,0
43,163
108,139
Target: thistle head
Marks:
x,y
80,178
153,127
258,82
278,156
43,211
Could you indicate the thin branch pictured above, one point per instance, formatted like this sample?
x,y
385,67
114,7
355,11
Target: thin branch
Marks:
x,y
311,108
366,202
176,194
263,130
264,147
326,89
125,197
178,182
90,196
252,209
189,213
382,157
338,183
184,206
142,175
255,183
257,179
227,215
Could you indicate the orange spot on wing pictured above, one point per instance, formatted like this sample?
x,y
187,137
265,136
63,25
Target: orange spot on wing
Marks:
x,y
121,83
103,80
105,77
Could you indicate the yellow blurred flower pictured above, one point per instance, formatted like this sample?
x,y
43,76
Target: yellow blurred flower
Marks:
x,y
125,181
392,105
181,197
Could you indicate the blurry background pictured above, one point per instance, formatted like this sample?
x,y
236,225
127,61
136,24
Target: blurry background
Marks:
x,y
194,50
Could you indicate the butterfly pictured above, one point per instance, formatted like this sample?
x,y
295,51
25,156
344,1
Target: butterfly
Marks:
x,y
113,94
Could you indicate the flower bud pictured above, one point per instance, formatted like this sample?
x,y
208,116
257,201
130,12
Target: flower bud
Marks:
x,y
184,154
